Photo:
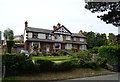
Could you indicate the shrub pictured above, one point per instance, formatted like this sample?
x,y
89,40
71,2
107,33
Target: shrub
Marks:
x,y
73,50
61,52
95,50
17,64
111,53
54,53
63,66
9,46
44,65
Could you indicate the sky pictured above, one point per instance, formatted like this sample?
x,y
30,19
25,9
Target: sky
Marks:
x,y
46,13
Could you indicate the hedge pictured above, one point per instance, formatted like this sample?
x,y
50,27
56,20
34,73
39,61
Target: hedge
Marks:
x,y
17,64
110,53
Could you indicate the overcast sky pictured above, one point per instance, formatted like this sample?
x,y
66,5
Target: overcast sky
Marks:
x,y
46,13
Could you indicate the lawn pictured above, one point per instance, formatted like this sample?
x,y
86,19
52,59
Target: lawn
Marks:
x,y
52,58
75,73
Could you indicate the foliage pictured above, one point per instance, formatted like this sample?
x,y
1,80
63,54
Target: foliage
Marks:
x,y
18,41
73,49
9,46
54,53
95,50
113,9
111,53
112,39
8,33
44,65
61,52
95,39
17,64
35,53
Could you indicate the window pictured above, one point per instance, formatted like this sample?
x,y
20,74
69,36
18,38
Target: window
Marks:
x,y
56,36
47,36
35,35
67,37
35,45
68,46
29,35
81,39
75,46
83,47
57,46
74,39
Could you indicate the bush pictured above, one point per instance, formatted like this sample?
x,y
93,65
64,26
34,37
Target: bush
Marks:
x,y
61,52
63,66
9,46
111,53
73,50
95,50
44,65
54,53
17,64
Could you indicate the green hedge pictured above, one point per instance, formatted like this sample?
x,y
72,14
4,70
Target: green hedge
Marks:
x,y
111,53
17,64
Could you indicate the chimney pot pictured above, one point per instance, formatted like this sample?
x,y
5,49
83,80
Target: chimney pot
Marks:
x,y
58,25
81,32
54,27
26,24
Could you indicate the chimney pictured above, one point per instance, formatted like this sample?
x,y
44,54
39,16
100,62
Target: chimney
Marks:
x,y
81,32
26,24
54,27
58,25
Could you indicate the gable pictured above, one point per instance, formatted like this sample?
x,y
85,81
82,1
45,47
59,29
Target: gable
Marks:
x,y
62,30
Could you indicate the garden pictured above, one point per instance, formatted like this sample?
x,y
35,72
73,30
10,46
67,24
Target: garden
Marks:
x,y
19,65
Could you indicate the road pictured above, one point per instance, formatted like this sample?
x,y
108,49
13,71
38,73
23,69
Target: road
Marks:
x,y
112,78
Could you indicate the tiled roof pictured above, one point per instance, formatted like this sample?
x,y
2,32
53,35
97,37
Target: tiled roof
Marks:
x,y
53,41
31,29
78,35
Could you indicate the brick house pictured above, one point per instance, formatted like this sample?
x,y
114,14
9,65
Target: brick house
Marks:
x,y
49,40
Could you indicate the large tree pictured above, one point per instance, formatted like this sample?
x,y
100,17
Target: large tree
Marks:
x,y
8,33
95,39
113,8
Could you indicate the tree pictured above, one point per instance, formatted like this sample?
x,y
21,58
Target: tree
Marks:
x,y
8,33
112,39
113,8
90,39
95,39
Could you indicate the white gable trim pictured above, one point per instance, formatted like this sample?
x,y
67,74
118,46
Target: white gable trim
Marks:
x,y
62,30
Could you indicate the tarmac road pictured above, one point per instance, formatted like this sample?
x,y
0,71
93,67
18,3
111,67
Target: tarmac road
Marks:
x,y
103,78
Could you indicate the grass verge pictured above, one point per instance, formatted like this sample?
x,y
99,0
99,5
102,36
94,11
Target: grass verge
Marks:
x,y
76,73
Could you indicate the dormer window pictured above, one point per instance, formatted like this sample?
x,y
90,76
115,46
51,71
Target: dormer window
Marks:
x,y
67,37
35,35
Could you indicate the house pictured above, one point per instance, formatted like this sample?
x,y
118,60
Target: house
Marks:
x,y
49,40
18,37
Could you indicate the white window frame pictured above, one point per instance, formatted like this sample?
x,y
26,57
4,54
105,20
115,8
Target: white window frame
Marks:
x,y
36,43
82,47
58,44
30,34
67,37
81,39
75,46
74,39
56,35
68,46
